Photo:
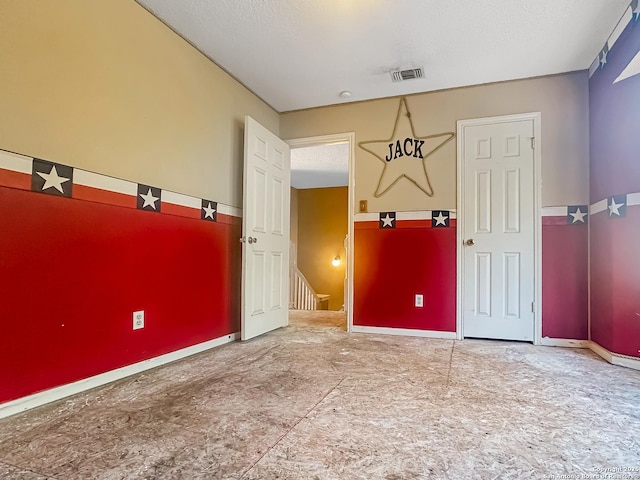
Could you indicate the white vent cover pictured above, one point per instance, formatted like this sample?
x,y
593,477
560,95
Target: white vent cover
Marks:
x,y
406,74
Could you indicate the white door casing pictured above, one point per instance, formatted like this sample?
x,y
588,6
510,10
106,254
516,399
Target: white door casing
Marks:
x,y
265,231
498,228
348,137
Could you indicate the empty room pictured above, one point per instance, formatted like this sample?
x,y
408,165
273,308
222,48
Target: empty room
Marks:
x,y
456,297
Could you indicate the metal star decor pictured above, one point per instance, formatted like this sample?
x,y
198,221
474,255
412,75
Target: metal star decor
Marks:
x,y
404,154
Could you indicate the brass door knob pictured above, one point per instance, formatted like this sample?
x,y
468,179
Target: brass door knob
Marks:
x,y
470,242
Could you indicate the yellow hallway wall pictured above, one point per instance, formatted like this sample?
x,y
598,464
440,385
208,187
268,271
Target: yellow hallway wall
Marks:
x,y
107,87
322,225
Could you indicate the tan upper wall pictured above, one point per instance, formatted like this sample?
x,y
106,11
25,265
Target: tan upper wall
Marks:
x,y
562,100
105,86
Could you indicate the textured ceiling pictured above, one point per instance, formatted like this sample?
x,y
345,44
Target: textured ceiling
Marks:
x,y
298,54
321,166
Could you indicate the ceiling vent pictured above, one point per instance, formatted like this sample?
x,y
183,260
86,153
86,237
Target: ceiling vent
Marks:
x,y
406,74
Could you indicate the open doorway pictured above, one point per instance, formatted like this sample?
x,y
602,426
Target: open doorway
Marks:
x,y
320,230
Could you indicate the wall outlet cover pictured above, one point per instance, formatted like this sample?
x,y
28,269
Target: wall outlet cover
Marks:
x,y
419,300
138,319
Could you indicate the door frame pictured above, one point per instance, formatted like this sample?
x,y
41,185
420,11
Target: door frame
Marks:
x,y
350,139
536,117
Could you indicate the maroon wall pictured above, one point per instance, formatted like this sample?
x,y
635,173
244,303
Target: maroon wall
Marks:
x,y
614,105
565,280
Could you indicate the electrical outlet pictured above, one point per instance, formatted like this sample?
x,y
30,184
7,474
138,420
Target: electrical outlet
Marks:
x,y
419,300
138,320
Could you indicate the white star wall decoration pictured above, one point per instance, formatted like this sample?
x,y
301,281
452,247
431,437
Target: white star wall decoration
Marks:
x,y
440,219
578,215
617,206
149,200
209,211
53,180
387,220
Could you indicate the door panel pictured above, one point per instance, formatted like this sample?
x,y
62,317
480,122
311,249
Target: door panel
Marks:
x,y
483,201
483,284
498,283
257,288
277,270
511,285
265,230
512,201
259,216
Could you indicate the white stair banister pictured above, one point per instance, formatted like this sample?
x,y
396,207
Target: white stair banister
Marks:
x,y
302,296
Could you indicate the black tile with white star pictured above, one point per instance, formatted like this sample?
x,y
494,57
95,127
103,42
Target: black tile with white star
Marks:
x,y
577,214
148,198
617,206
51,178
387,220
440,218
209,211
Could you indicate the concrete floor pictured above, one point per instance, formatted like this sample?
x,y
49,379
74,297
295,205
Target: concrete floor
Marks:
x,y
313,402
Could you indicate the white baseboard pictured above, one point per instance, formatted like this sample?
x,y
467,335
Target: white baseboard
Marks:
x,y
404,332
38,399
564,342
615,358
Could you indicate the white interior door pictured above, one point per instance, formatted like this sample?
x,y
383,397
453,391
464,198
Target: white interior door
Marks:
x,y
498,230
265,231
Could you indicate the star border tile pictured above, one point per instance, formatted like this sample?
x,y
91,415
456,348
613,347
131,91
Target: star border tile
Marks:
x,y
388,217
203,212
438,213
621,201
572,210
155,192
46,168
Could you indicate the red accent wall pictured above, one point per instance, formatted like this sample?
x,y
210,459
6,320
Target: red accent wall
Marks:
x,y
392,265
565,284
73,272
615,282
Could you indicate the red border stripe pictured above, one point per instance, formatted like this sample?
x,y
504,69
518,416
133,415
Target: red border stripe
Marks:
x,y
557,221
413,223
401,224
180,210
228,219
11,179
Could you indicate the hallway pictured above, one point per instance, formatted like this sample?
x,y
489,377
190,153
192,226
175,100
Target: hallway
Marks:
x,y
311,401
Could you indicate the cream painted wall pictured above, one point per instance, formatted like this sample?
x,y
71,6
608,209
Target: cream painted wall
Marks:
x,y
562,99
105,86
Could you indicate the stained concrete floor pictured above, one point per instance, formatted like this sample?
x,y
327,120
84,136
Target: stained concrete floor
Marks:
x,y
313,402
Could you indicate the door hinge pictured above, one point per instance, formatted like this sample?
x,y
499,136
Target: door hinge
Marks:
x,y
533,143
533,307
